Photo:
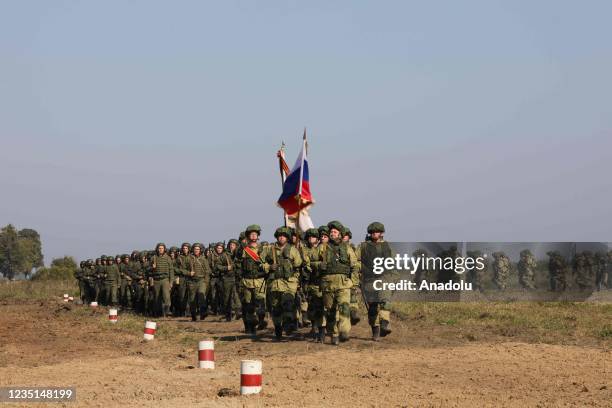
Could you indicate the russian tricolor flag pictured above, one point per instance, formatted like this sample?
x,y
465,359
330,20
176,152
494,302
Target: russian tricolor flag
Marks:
x,y
296,188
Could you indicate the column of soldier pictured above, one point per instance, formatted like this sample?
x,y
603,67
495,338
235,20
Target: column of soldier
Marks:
x,y
311,281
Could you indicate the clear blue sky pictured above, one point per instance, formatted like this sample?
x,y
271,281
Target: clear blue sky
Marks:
x,y
123,123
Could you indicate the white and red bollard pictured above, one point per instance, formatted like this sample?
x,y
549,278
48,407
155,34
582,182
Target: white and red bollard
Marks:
x,y
93,304
70,299
206,354
112,315
65,297
250,377
149,330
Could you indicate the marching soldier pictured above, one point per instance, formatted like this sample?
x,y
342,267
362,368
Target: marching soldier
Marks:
x,y
99,274
501,270
183,268
557,271
347,235
161,274
215,291
282,262
197,280
476,276
338,264
379,314
252,283
222,268
231,280
527,266
111,281
311,254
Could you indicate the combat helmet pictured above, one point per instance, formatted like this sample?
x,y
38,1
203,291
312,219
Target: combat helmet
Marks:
x,y
283,231
376,227
252,228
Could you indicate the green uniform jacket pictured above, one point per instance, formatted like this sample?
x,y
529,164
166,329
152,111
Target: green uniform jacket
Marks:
x,y
111,274
164,267
223,266
201,267
288,262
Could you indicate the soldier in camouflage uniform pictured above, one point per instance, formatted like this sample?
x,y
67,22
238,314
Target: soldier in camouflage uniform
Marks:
x,y
476,276
591,268
137,281
252,282
601,267
80,277
347,235
580,271
173,253
125,287
223,268
231,280
338,264
282,263
99,276
198,280
182,269
161,274
311,257
501,270
89,280
378,302
557,271
111,282
527,266
215,292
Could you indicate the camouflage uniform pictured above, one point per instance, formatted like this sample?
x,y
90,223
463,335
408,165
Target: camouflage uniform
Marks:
x,y
252,285
338,263
557,271
223,268
80,277
474,275
579,269
527,266
501,270
198,280
591,269
282,263
89,280
111,282
601,269
356,277
311,257
99,276
215,291
231,294
125,289
378,302
182,269
161,274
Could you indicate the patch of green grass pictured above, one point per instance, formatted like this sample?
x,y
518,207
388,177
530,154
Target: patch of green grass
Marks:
x,y
38,290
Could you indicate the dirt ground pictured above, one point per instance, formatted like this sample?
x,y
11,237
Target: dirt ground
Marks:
x,y
46,343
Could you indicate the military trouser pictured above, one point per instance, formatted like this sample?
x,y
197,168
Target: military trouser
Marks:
x,y
336,303
253,300
500,279
601,280
98,291
181,296
527,280
125,293
111,290
283,306
316,313
378,312
215,295
231,300
82,290
558,281
196,290
161,296
138,298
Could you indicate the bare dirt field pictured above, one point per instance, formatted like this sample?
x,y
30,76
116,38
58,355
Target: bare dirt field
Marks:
x,y
49,343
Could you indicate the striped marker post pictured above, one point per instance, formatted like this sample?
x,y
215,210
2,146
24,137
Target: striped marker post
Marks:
x,y
65,297
149,330
250,377
93,304
206,354
112,315
70,299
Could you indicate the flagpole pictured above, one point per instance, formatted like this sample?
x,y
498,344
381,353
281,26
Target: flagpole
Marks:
x,y
281,154
299,197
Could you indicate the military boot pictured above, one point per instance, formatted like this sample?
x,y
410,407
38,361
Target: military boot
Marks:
x,y
385,328
263,323
375,333
335,340
194,316
344,337
278,332
165,311
320,337
355,317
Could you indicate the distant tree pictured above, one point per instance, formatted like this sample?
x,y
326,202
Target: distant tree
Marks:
x,y
30,241
60,269
13,257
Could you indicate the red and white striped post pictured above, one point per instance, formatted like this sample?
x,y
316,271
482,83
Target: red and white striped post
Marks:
x,y
250,377
206,354
65,297
149,330
112,315
93,304
70,299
